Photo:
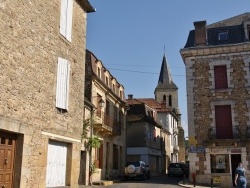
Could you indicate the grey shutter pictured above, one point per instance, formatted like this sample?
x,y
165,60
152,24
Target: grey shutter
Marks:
x,y
62,88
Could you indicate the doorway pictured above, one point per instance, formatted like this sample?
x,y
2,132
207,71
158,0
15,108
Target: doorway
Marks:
x,y
7,158
235,160
83,168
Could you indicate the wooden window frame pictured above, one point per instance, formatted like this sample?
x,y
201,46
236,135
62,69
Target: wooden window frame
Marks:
x,y
220,77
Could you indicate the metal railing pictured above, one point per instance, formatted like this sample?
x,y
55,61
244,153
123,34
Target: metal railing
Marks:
x,y
109,121
236,133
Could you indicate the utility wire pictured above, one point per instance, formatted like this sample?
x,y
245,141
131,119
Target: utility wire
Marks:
x,y
130,65
125,70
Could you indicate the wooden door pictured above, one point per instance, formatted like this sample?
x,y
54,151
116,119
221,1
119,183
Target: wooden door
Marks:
x,y
7,155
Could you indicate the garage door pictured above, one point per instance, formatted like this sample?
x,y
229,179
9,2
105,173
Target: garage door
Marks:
x,y
56,164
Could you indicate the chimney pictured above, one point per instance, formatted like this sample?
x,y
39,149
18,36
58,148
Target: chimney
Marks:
x,y
200,33
130,96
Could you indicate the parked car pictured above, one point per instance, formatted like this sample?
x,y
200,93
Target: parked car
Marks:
x,y
136,169
177,169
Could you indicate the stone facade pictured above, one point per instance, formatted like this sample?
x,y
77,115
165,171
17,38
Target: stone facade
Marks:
x,y
204,98
30,46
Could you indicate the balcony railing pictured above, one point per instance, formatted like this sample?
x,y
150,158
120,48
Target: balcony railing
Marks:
x,y
235,130
112,124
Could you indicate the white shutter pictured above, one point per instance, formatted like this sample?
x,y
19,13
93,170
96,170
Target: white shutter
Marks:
x,y
62,88
69,20
63,17
66,18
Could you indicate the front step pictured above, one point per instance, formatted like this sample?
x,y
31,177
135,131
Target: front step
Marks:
x,y
103,183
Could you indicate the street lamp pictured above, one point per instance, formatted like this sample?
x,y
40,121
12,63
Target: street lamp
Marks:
x,y
101,103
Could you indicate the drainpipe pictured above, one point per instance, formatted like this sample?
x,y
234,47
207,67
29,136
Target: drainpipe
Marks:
x,y
90,149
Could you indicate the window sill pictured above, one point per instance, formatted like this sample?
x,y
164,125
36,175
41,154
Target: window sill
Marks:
x,y
227,90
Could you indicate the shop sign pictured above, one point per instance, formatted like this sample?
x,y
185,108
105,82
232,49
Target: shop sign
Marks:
x,y
198,149
224,150
216,179
237,150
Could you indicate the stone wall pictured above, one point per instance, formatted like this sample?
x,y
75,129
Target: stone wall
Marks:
x,y
30,44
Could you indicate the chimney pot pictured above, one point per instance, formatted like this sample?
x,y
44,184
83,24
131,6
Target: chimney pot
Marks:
x,y
130,96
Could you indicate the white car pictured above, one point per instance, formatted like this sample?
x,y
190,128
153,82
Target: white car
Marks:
x,y
136,169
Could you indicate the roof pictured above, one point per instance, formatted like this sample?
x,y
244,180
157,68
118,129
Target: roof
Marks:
x,y
236,20
150,102
165,79
137,112
87,6
234,26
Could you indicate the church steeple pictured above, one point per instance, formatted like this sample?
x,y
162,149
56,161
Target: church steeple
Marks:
x,y
166,90
165,78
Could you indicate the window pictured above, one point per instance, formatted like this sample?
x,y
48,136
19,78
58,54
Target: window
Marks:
x,y
220,163
169,100
107,108
164,98
107,81
223,122
114,88
223,36
66,18
99,157
62,88
220,77
98,107
155,136
115,156
99,72
121,95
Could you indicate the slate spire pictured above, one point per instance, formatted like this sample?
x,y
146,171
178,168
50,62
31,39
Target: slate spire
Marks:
x,y
165,78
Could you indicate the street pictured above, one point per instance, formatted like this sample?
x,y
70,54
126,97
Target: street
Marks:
x,y
161,181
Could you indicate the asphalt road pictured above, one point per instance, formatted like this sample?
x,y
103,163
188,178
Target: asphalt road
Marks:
x,y
155,182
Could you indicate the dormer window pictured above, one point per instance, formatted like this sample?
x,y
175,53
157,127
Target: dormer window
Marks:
x,y
107,81
223,35
99,72
121,94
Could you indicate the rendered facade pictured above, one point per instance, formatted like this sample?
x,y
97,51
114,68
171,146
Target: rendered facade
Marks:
x,y
108,119
217,60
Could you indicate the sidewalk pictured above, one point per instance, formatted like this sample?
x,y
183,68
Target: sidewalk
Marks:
x,y
189,184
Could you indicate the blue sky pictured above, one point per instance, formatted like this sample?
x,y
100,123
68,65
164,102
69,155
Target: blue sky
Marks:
x,y
129,38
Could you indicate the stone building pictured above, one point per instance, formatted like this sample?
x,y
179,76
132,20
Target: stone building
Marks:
x,y
42,91
167,92
147,138
157,121
106,95
217,60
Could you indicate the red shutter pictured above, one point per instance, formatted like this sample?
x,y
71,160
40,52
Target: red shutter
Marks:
x,y
223,120
220,77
